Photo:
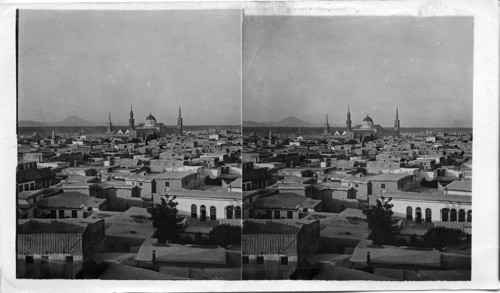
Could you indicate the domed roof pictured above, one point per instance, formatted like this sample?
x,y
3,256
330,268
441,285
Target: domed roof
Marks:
x,y
368,119
150,117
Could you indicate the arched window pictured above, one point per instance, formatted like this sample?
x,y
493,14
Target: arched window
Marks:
x,y
418,215
203,213
453,215
213,213
229,212
194,211
469,216
409,213
237,212
445,215
461,215
428,215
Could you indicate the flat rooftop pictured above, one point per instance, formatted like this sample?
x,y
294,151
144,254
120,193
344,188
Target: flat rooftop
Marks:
x,y
178,253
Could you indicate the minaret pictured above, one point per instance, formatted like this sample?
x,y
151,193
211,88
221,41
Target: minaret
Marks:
x,y
326,129
179,123
348,122
110,124
53,135
131,123
396,123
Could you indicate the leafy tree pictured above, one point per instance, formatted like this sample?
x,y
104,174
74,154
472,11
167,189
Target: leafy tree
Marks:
x,y
134,140
439,237
380,221
224,235
165,220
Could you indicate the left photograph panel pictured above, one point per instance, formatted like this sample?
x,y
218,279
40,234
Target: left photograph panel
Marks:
x,y
129,144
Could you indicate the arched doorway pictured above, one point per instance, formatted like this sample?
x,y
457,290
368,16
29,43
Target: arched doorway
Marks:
x,y
213,213
461,215
203,213
445,215
453,215
409,214
418,215
229,212
194,211
428,215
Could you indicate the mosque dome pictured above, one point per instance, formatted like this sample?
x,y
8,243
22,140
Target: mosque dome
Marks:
x,y
150,120
368,119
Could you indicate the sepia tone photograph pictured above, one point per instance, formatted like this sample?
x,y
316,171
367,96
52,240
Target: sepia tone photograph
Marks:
x,y
129,145
357,148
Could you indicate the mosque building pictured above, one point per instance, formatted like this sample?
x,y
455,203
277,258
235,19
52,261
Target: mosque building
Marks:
x,y
150,126
367,131
142,130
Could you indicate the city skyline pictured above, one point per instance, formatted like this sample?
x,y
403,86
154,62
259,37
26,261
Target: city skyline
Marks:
x,y
308,67
90,63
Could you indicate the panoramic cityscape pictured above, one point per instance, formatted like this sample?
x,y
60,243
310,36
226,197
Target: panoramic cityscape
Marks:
x,y
319,148
125,170
357,148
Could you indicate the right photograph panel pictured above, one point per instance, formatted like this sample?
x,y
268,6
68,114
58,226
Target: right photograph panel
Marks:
x,y
357,147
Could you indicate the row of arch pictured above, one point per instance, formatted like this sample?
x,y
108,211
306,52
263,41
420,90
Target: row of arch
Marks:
x,y
447,215
231,212
418,214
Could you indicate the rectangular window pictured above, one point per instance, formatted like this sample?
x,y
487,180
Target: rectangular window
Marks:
x,y
69,259
20,187
74,214
277,215
61,214
167,184
29,259
140,183
245,260
284,260
260,260
32,186
289,215
382,186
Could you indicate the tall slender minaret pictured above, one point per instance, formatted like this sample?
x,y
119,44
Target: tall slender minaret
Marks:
x,y
179,123
348,122
110,124
131,120
396,123
326,129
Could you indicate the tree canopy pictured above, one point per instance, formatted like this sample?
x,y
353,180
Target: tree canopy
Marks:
x,y
440,237
165,220
224,235
380,221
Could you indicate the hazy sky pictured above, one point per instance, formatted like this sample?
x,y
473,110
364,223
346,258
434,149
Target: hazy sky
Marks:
x,y
311,66
89,63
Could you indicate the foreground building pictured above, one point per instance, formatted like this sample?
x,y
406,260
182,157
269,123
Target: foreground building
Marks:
x,y
274,250
48,249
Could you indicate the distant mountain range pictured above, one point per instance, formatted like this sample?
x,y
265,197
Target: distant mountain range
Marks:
x,y
70,121
287,122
